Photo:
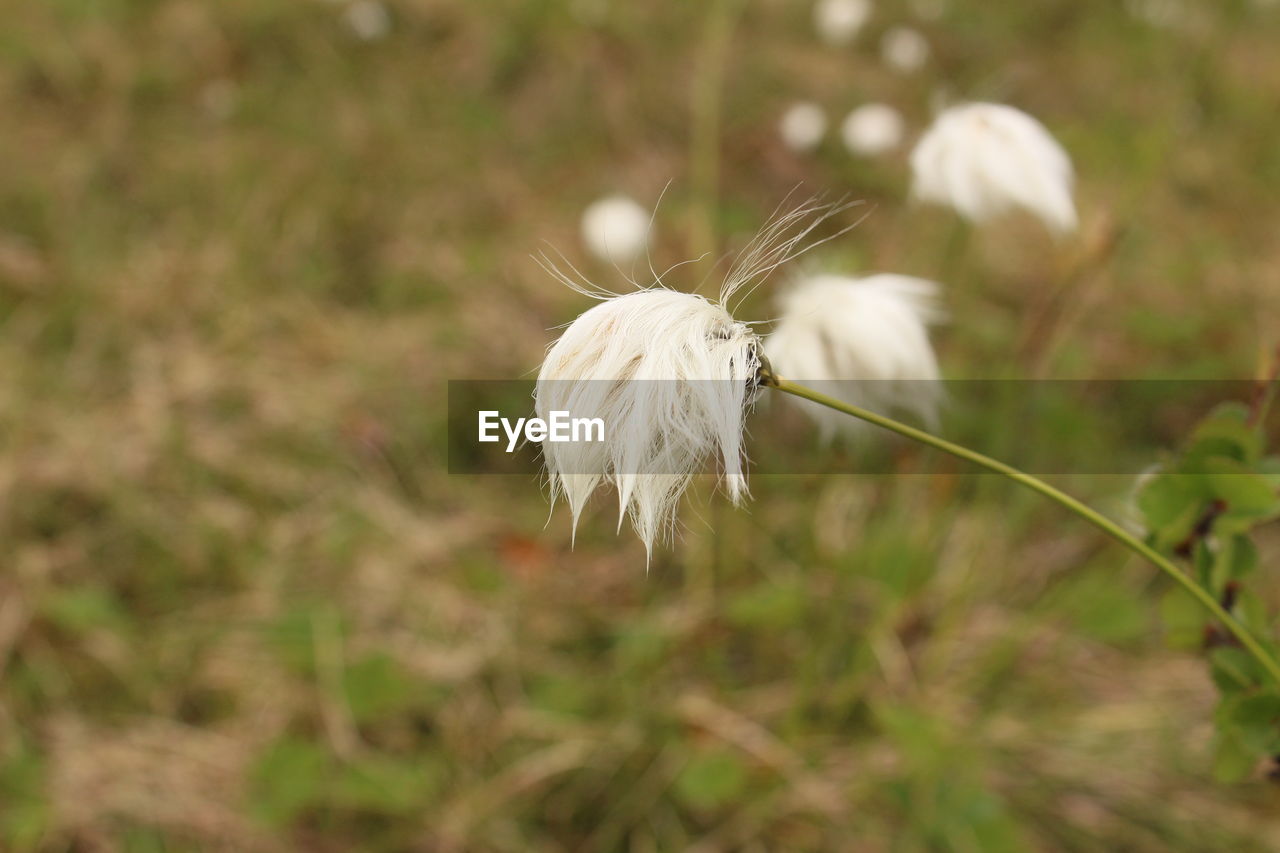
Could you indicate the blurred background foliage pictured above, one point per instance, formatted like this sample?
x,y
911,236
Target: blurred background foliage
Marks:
x,y
244,244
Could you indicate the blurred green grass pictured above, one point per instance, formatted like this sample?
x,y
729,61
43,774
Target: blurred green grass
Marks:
x,y
243,606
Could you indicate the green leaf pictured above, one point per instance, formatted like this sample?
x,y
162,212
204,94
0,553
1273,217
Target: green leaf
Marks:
x,y
1244,557
1226,432
1242,489
374,687
1254,720
1252,613
287,779
1170,500
711,780
83,609
1234,669
387,785
1233,761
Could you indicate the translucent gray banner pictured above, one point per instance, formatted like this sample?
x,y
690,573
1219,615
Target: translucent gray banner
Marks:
x,y
1115,427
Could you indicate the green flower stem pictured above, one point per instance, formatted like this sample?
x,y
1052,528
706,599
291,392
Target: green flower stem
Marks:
x,y
1064,500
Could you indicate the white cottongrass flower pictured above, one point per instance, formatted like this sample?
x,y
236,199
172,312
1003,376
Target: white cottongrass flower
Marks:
x,y
986,159
671,375
929,10
865,340
368,19
838,22
616,229
872,129
1166,14
802,126
904,50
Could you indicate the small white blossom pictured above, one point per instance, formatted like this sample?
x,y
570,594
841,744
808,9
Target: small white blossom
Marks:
x,y
872,129
838,22
368,19
904,50
986,159
802,126
929,10
865,340
616,229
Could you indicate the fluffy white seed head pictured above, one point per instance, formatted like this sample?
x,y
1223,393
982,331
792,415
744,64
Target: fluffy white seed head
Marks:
x,y
904,50
671,376
368,19
986,159
865,340
872,129
616,229
802,126
838,22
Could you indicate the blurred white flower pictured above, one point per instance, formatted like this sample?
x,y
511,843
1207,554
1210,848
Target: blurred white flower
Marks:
x,y
1164,14
929,10
904,50
865,340
872,129
671,375
368,19
986,159
616,229
802,126
838,22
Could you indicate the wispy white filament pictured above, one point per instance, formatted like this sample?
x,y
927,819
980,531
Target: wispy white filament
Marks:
x,y
838,22
986,159
616,229
865,340
872,129
904,50
671,375
802,126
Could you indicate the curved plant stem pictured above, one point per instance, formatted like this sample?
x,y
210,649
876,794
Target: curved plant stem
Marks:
x,y
1097,519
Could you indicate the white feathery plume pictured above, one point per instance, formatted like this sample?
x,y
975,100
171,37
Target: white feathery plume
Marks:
x,y
866,340
986,159
904,50
802,126
616,229
670,374
838,22
872,129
